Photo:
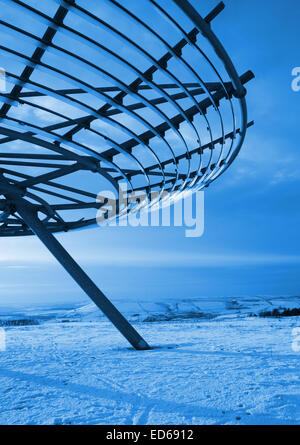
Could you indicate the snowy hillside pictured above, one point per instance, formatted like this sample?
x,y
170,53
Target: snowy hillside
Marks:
x,y
196,308
230,369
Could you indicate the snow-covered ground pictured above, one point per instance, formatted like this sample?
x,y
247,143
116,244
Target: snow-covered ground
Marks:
x,y
224,367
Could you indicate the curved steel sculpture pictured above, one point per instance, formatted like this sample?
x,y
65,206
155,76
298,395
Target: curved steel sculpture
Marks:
x,y
141,93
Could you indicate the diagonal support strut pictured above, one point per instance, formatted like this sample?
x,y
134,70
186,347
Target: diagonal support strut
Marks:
x,y
29,213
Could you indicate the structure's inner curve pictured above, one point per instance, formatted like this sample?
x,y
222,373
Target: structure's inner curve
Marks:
x,y
98,96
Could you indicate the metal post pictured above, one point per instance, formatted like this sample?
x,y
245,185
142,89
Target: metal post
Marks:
x,y
28,212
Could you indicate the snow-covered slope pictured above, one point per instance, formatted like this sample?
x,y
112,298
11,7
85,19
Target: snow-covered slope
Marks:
x,y
211,363
202,308
196,308
234,371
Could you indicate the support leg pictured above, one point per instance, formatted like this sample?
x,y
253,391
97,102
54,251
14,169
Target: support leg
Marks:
x,y
29,214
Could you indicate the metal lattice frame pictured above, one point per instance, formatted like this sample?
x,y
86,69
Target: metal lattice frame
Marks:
x,y
131,111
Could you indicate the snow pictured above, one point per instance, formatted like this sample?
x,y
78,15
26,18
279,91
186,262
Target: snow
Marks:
x,y
174,309
224,367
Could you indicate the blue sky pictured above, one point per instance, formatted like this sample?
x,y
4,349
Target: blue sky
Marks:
x,y
251,240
